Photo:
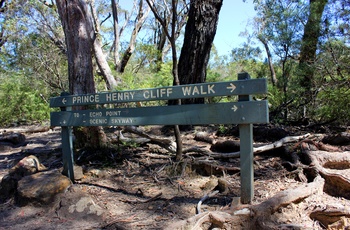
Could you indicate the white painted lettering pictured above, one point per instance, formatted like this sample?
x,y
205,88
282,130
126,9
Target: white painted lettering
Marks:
x,y
86,99
195,90
95,114
169,91
98,121
211,89
121,121
186,90
113,113
146,94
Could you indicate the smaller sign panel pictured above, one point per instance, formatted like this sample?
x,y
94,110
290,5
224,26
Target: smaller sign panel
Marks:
x,y
240,87
219,113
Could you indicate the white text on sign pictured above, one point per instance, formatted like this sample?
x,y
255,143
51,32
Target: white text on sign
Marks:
x,y
156,94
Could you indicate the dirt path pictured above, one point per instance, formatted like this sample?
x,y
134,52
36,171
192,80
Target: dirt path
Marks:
x,y
143,189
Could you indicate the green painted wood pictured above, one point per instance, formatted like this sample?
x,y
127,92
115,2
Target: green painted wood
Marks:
x,y
67,146
199,114
67,152
252,86
246,163
246,152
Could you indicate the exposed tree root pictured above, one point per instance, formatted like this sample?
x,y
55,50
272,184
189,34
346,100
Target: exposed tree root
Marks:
x,y
264,210
330,215
253,217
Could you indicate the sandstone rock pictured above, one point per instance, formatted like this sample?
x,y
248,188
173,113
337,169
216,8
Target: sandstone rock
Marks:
x,y
8,187
75,203
41,188
27,166
78,172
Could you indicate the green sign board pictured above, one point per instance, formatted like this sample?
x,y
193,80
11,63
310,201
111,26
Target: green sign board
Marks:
x,y
218,113
245,112
240,87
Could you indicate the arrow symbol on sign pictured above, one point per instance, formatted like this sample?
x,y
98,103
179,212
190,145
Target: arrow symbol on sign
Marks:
x,y
234,108
232,87
64,101
64,122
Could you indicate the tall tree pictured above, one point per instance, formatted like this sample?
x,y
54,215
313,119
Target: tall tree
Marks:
x,y
199,35
101,59
172,35
79,34
308,49
140,19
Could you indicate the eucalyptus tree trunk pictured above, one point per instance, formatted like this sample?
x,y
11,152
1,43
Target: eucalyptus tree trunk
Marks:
x,y
270,61
140,19
99,55
312,32
79,35
199,36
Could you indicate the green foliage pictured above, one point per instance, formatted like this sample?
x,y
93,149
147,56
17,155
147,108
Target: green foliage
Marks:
x,y
22,100
334,104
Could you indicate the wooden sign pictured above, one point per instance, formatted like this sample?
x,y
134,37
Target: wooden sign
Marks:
x,y
198,114
245,87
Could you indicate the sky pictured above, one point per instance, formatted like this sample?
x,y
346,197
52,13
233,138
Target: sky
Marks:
x,y
233,19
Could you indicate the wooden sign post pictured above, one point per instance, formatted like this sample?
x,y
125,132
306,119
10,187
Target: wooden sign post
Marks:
x,y
243,112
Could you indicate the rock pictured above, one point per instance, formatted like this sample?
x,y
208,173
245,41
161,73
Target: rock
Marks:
x,y
226,146
8,187
13,138
27,166
75,203
210,184
41,188
223,186
204,137
78,172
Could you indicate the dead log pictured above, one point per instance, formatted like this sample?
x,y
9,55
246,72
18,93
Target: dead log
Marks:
x,y
337,139
30,129
12,138
258,150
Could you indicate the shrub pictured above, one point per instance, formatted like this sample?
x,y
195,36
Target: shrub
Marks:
x,y
22,100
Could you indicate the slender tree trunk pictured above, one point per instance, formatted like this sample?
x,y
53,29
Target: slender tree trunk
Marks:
x,y
116,32
199,35
269,59
79,34
130,50
308,49
99,55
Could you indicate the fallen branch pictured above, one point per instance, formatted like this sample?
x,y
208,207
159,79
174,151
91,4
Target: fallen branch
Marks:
x,y
204,198
257,150
162,142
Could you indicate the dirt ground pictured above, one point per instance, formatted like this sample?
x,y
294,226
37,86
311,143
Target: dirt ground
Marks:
x,y
141,187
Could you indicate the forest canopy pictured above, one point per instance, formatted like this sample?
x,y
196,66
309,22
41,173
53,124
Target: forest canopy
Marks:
x,y
301,47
